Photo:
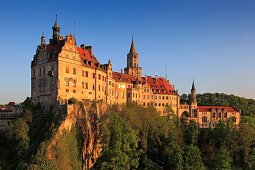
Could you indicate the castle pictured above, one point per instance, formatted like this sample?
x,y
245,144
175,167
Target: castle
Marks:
x,y
61,70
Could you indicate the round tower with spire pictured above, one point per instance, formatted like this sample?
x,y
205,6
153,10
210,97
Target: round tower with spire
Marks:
x,y
193,105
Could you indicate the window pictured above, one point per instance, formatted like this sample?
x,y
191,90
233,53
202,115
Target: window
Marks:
x,y
204,119
159,104
74,91
163,97
67,82
148,104
219,115
83,85
99,76
144,90
163,104
103,78
155,97
74,70
213,115
156,104
136,95
159,97
225,115
86,85
67,90
74,83
83,73
148,97
93,87
86,73
67,69
166,97
143,96
147,90
94,75
151,96
110,83
99,87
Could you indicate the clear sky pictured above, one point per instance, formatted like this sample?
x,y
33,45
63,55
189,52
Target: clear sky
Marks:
x,y
212,41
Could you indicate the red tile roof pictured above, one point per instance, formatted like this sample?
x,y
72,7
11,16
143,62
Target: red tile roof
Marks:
x,y
209,108
161,86
126,77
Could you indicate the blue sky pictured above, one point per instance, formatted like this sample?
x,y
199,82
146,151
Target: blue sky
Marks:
x,y
212,41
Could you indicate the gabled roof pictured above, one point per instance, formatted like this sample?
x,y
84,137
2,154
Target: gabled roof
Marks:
x,y
161,86
209,108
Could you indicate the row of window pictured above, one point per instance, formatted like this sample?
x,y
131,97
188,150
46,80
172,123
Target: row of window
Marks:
x,y
159,97
86,74
157,104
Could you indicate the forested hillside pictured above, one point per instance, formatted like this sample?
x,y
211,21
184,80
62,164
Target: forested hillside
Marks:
x,y
129,137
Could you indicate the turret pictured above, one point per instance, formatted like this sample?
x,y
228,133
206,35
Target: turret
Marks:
x,y
56,31
193,99
42,40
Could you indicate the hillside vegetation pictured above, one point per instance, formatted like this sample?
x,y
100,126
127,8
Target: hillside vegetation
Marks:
x,y
126,137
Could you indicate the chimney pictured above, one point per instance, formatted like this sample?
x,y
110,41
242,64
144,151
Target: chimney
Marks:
x,y
121,74
156,77
82,46
89,48
145,78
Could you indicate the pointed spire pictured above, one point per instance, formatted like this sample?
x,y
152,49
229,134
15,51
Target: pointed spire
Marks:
x,y
193,86
132,48
56,23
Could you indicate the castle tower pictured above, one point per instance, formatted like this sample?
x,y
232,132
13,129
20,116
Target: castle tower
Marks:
x,y
193,105
56,31
132,63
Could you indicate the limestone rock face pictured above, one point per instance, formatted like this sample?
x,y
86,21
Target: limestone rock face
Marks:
x,y
86,115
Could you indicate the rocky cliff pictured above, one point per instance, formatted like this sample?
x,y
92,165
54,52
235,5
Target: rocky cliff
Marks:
x,y
85,118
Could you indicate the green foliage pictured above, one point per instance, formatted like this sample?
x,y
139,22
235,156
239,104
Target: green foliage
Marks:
x,y
191,133
68,150
222,159
120,151
192,157
41,160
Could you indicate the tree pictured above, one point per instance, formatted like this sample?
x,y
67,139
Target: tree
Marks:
x,y
191,133
192,158
222,159
121,150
